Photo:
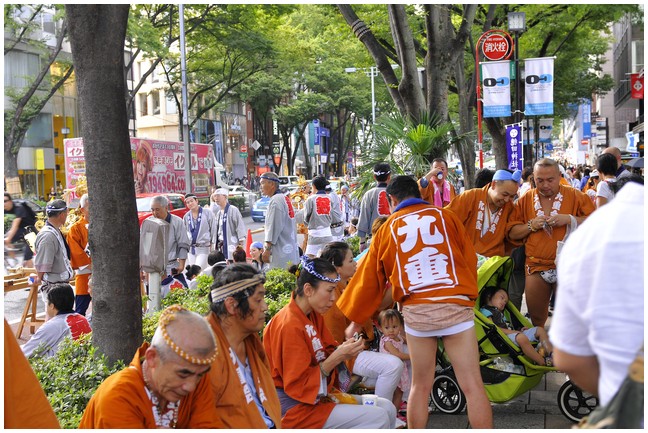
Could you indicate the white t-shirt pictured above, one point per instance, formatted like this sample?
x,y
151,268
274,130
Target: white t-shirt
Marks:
x,y
603,189
600,304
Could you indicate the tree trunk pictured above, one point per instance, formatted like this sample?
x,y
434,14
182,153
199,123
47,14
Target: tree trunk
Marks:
x,y
494,125
97,35
465,146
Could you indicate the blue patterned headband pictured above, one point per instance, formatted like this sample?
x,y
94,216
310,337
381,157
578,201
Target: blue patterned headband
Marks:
x,y
507,175
307,264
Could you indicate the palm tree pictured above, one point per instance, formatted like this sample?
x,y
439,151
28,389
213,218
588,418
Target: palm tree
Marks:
x,y
406,145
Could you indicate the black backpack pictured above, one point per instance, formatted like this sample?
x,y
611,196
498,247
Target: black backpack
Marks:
x,y
31,215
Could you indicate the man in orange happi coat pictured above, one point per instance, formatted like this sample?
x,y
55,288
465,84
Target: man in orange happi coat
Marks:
x,y
434,186
165,386
25,403
541,217
426,255
244,391
485,212
77,239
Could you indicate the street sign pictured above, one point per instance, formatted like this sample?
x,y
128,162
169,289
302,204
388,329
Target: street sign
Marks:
x,y
243,148
496,47
256,145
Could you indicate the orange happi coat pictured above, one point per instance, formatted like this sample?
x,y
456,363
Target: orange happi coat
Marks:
x,y
472,208
427,193
296,344
233,408
121,402
426,255
540,247
77,239
337,322
25,403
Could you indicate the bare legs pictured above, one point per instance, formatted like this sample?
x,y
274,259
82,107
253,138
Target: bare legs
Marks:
x,y
538,293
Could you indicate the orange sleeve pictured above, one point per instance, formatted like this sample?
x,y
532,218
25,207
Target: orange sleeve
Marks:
x,y
77,239
25,403
463,205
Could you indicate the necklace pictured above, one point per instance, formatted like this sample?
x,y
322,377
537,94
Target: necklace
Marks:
x,y
165,417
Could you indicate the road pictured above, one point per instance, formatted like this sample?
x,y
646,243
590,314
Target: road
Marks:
x,y
14,302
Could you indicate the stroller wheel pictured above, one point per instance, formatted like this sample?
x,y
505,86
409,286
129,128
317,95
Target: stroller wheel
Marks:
x,y
446,394
575,403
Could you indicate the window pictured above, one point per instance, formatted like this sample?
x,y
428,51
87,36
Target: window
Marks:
x,y
155,77
171,107
18,67
176,202
156,102
39,133
144,104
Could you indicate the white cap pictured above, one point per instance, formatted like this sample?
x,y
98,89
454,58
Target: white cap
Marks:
x,y
221,191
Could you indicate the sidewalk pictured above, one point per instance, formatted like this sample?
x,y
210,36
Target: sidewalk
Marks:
x,y
536,409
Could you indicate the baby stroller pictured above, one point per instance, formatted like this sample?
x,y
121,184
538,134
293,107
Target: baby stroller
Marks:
x,y
506,372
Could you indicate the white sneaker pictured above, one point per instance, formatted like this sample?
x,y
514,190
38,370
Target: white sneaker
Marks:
x,y
400,423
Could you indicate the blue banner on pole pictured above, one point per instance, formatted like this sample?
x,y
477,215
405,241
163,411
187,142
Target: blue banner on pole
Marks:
x,y
514,146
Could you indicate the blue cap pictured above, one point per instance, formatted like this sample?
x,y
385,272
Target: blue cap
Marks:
x,y
258,245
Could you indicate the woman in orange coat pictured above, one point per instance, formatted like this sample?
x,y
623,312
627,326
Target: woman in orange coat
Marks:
x,y
304,358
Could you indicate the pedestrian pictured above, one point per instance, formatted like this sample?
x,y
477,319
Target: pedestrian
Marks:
x,y
213,258
200,226
485,212
540,219
318,217
230,231
179,242
337,224
256,249
305,358
382,370
23,222
64,322
280,245
52,260
598,323
374,202
240,376
621,170
80,258
166,384
607,167
345,204
434,186
424,253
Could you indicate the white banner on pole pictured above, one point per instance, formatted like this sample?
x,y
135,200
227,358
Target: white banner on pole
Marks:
x,y
538,88
546,126
496,85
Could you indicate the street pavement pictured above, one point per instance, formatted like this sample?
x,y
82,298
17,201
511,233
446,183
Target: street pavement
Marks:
x,y
535,409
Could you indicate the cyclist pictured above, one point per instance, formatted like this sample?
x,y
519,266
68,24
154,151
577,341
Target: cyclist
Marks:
x,y
24,218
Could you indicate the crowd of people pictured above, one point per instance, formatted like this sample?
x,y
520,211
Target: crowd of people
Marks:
x,y
378,317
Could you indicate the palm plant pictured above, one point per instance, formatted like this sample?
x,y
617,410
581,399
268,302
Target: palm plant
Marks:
x,y
406,145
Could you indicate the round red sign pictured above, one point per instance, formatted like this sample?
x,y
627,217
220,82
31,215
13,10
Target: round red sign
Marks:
x,y
496,47
243,148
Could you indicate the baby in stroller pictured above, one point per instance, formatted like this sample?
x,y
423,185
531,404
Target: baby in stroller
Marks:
x,y
493,303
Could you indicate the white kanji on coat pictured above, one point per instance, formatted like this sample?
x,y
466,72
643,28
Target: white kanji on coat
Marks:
x,y
427,267
418,225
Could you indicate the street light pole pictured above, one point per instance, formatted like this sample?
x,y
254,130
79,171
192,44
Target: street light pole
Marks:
x,y
517,25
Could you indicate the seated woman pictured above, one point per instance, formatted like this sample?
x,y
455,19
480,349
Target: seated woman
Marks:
x,y
240,376
382,369
64,322
304,358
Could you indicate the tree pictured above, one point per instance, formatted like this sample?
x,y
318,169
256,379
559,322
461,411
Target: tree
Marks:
x,y
26,103
97,34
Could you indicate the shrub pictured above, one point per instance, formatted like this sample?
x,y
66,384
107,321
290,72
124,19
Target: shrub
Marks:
x,y
279,286
354,244
71,377
238,201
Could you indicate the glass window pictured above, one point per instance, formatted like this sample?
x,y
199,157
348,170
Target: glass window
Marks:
x,y
144,104
156,102
176,202
39,133
171,107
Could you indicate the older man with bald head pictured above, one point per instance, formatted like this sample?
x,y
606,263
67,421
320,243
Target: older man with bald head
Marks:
x,y
621,170
165,385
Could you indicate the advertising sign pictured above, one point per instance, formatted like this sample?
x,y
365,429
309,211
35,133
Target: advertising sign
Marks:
x,y
538,88
496,89
546,126
636,86
514,146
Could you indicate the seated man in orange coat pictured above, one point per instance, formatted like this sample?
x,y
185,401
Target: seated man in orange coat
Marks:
x,y
485,212
165,386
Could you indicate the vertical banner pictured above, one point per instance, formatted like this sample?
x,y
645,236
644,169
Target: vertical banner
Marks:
x,y
546,126
538,86
586,114
496,87
514,146
528,132
636,86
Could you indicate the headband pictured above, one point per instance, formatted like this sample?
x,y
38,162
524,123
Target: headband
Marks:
x,y
307,264
507,175
220,293
190,195
167,317
380,173
269,178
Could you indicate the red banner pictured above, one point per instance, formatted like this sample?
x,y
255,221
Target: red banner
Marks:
x,y
636,86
